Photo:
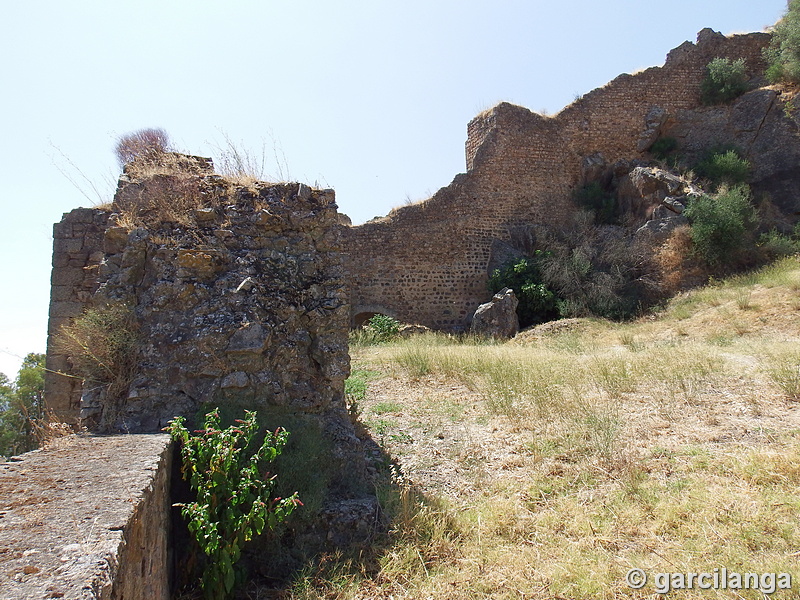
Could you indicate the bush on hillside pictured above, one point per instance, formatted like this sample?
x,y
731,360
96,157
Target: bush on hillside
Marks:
x,y
537,303
603,204
783,53
383,328
725,80
593,270
724,166
722,226
776,245
663,148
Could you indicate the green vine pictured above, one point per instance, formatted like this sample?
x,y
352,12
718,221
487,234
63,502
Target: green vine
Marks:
x,y
233,493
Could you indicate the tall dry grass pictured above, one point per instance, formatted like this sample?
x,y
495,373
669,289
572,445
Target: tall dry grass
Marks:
x,y
626,445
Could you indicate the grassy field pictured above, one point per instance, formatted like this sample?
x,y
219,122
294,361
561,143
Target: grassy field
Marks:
x,y
551,465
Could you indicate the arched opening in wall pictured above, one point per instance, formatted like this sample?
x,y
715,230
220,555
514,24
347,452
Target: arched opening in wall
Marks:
x,y
362,314
361,319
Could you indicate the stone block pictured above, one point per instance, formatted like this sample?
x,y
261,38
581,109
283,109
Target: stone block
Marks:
x,y
61,293
67,245
65,309
82,215
68,276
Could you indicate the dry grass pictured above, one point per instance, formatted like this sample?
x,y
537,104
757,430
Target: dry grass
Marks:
x,y
103,345
550,466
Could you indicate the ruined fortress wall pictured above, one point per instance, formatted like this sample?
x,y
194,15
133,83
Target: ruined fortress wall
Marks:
x,y
77,252
611,119
242,304
427,263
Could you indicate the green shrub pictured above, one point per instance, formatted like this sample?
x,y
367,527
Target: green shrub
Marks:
x,y
537,303
724,166
783,53
777,245
383,327
233,494
593,197
722,225
663,148
22,408
725,80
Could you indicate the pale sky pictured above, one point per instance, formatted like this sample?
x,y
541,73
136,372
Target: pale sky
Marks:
x,y
371,98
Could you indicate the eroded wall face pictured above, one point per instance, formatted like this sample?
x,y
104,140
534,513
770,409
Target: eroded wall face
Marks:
x,y
428,263
244,308
77,253
241,305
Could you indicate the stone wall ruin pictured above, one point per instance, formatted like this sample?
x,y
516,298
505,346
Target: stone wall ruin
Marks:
x,y
428,263
239,301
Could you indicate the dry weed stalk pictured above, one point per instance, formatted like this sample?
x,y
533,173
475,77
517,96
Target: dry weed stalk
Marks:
x,y
102,345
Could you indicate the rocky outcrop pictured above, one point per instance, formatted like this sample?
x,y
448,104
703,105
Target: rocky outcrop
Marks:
x,y
647,193
498,317
762,125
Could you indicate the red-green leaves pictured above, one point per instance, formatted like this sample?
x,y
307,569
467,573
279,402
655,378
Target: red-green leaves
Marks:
x,y
233,501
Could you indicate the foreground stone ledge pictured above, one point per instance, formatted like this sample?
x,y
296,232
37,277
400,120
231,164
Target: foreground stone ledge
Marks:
x,y
87,518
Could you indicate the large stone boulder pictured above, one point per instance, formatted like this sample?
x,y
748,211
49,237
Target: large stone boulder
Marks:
x,y
645,189
498,317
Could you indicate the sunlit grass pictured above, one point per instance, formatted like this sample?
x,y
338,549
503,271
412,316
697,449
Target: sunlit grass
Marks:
x,y
629,445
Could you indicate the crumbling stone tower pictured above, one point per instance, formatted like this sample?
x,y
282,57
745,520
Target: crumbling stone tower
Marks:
x,y
238,297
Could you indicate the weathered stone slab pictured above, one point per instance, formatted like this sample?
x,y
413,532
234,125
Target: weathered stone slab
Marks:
x,y
87,518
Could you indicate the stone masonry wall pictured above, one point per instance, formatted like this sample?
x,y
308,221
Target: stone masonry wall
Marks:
x,y
77,253
87,518
238,296
427,263
244,305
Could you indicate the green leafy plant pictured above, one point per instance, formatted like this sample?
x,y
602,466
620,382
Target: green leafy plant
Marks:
x,y
595,198
233,492
725,80
383,327
783,53
724,166
663,148
537,302
722,224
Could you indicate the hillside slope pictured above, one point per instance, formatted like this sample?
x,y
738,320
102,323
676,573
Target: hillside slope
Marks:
x,y
549,466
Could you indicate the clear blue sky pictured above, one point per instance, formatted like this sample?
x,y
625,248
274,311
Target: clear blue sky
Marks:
x,y
371,98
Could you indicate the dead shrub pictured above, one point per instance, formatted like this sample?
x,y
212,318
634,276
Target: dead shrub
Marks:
x,y
102,345
142,147
600,270
162,198
677,269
